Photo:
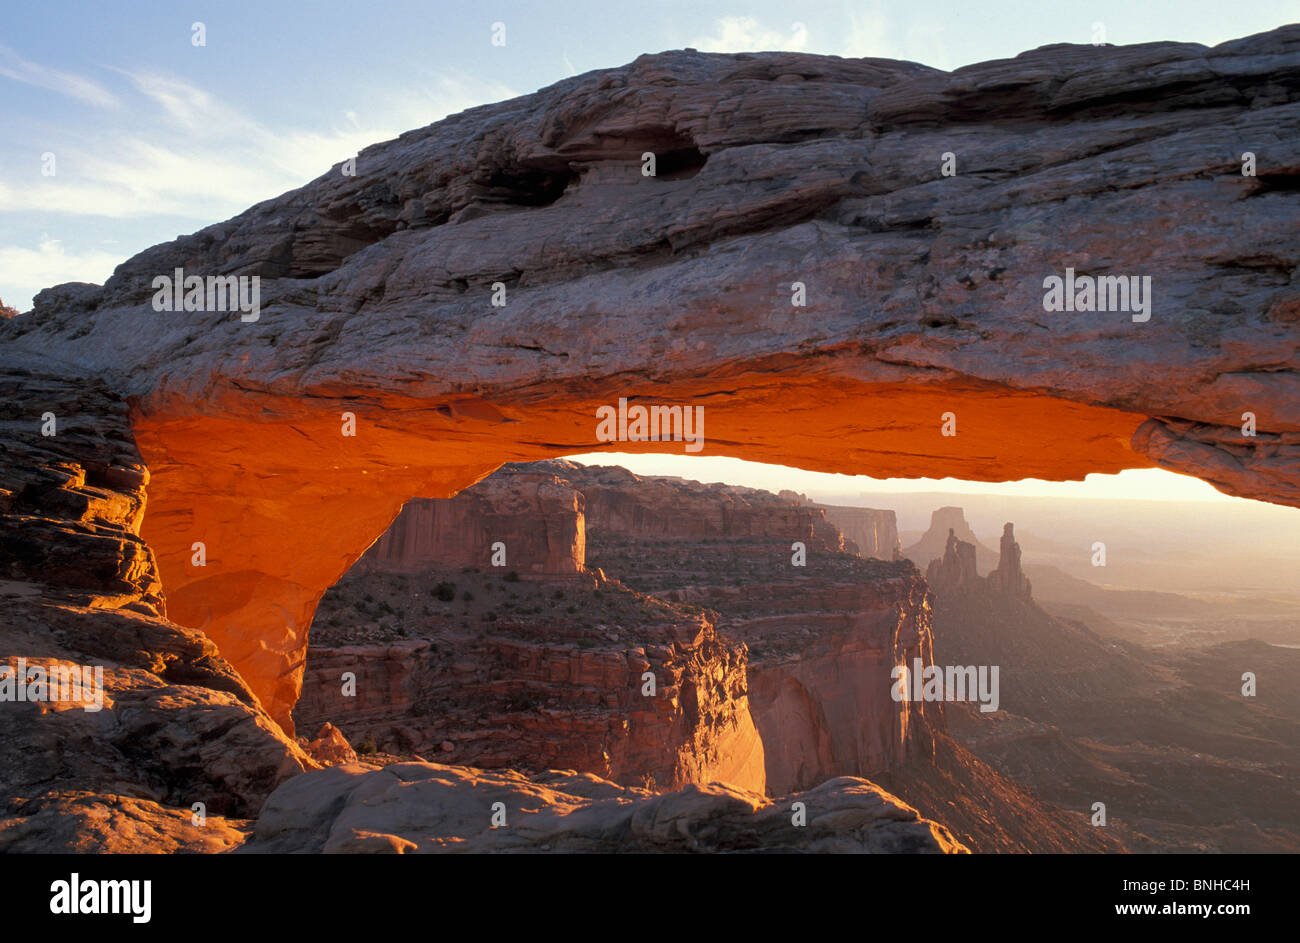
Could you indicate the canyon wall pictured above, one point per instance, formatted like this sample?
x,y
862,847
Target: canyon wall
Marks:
x,y
548,696
537,519
620,502
531,688
821,652
875,532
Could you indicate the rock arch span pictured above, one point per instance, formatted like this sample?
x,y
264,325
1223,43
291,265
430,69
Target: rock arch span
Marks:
x,y
924,296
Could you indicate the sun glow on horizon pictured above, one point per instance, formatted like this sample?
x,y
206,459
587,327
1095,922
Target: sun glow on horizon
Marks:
x,y
1134,484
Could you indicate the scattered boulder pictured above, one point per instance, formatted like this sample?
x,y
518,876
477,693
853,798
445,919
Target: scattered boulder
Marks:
x,y
331,748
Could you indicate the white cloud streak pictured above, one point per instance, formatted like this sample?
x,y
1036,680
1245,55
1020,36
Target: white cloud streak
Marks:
x,y
179,151
15,67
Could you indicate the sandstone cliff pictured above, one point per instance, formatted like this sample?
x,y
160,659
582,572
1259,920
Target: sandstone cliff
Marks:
x,y
874,531
536,676
79,591
822,645
823,638
622,503
536,519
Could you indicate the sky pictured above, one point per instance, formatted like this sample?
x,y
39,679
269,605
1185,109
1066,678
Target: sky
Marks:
x,y
1147,484
118,131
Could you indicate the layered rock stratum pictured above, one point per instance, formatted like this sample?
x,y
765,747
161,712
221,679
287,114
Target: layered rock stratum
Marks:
x,y
501,671
537,518
159,726
534,682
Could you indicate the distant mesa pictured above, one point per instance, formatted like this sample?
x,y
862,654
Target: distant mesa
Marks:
x,y
934,542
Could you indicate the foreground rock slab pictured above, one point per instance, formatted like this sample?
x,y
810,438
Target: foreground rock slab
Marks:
x,y
86,823
430,808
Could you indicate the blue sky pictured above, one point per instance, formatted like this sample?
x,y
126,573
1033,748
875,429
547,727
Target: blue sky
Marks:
x,y
153,136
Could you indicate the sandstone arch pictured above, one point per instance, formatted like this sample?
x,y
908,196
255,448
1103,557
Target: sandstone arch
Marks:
x,y
924,297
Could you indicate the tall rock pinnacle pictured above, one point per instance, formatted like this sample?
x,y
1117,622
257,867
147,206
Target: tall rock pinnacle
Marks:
x,y
1008,578
957,570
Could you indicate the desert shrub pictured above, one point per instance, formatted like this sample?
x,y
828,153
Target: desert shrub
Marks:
x,y
512,576
445,591
467,596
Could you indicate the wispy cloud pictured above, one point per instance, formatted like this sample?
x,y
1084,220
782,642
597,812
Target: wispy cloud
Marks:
x,y
181,152
865,33
746,34
15,67
867,36
194,156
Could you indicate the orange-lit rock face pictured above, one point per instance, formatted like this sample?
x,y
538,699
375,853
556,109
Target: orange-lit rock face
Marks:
x,y
285,507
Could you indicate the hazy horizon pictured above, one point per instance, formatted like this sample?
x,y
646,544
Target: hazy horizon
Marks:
x,y
1140,484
